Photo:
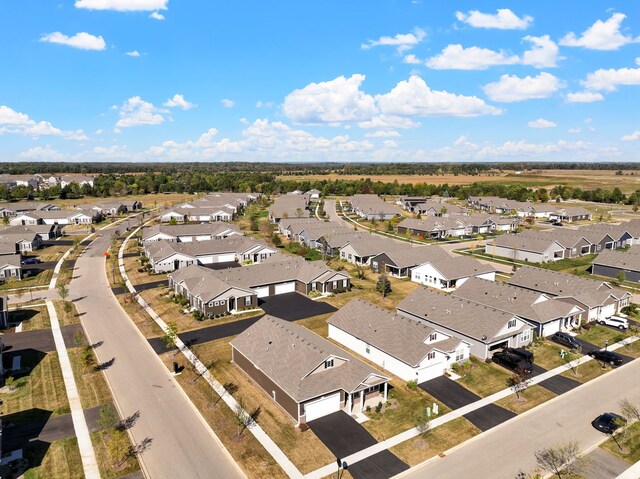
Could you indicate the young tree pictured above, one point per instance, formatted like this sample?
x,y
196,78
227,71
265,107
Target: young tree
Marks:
x,y
173,221
63,292
118,445
422,422
560,459
383,285
360,272
629,410
518,382
275,239
171,335
240,416
621,277
108,417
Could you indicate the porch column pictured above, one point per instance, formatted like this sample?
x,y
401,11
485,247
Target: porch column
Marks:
x,y
362,400
349,402
385,392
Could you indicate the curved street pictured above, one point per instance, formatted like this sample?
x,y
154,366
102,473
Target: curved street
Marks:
x,y
182,444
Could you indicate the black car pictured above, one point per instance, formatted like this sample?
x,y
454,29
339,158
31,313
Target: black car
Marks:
x,y
608,422
31,261
523,353
513,362
607,357
565,339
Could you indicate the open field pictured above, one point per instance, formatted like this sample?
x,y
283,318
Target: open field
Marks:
x,y
585,179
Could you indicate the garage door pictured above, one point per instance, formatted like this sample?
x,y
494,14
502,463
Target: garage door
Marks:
x,y
225,258
607,311
430,372
322,407
262,292
289,287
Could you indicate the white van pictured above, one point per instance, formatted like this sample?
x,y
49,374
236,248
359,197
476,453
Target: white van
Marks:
x,y
616,322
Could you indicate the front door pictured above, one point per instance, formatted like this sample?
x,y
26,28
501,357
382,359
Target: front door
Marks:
x,y
232,304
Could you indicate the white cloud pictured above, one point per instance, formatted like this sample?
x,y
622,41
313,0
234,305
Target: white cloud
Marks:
x,y
227,103
123,5
601,35
16,123
135,112
541,123
40,153
402,41
544,52
411,59
99,131
504,19
382,134
575,130
583,97
609,80
134,53
413,97
264,104
263,140
330,102
388,121
455,57
635,136
81,41
157,16
511,88
178,101
390,144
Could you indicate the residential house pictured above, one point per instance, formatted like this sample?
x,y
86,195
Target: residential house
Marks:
x,y
409,202
570,214
534,249
289,207
314,194
485,328
306,375
10,267
189,232
409,349
372,207
399,259
24,238
79,179
598,298
447,274
434,208
547,314
361,247
4,318
615,263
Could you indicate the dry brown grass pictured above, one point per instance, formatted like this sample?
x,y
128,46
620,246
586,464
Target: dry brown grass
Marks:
x,y
531,397
435,441
585,179
216,355
61,459
587,371
109,468
92,386
39,321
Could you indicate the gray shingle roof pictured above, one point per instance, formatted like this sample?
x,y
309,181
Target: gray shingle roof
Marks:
x,y
518,301
396,335
460,267
212,229
287,353
629,260
466,317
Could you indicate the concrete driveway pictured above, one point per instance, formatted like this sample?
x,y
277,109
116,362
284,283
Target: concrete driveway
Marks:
x,y
559,384
294,306
343,436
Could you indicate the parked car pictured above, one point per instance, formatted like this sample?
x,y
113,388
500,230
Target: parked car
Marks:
x,y
609,422
565,339
521,352
31,261
513,362
615,322
607,357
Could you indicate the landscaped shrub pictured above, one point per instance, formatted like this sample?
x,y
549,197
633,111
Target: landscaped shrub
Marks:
x,y
368,408
379,407
412,385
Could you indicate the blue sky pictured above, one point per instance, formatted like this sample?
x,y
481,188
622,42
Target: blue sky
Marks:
x,y
344,81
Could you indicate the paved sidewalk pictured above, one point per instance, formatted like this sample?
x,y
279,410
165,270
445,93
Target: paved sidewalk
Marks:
x,y
89,462
271,447
462,411
632,473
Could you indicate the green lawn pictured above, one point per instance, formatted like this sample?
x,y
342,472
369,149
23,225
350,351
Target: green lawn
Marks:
x,y
587,371
599,334
547,354
32,317
483,378
629,441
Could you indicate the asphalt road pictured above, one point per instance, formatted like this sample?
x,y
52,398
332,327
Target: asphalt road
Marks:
x,y
182,444
509,448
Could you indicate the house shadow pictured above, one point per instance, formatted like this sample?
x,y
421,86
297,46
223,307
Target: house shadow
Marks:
x,y
32,456
20,429
20,315
29,359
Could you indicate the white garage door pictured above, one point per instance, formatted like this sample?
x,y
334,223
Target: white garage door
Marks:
x,y
607,311
262,292
322,407
289,287
225,258
430,372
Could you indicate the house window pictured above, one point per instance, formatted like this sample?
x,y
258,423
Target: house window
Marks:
x,y
247,301
460,355
525,336
216,303
367,348
314,286
433,336
335,285
344,283
222,302
328,363
211,304
349,256
431,355
416,276
511,324
374,264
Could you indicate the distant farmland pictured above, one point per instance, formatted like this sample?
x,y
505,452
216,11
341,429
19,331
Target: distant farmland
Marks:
x,y
585,179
